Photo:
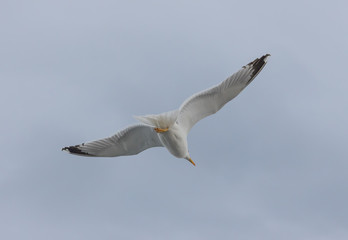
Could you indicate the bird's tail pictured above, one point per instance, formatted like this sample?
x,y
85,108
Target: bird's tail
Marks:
x,y
163,120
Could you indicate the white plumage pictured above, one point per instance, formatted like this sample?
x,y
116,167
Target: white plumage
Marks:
x,y
170,129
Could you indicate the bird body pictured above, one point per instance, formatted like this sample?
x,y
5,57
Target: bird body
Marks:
x,y
170,129
175,140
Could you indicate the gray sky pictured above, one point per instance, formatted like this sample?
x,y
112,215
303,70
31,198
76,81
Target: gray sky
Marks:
x,y
272,164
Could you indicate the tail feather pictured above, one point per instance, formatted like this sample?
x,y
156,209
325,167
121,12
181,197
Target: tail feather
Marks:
x,y
163,120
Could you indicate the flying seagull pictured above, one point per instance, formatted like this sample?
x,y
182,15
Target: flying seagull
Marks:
x,y
170,129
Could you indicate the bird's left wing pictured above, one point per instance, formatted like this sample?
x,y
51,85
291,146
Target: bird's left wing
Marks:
x,y
130,141
213,99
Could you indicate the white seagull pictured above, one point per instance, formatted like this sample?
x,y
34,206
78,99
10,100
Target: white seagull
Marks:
x,y
170,129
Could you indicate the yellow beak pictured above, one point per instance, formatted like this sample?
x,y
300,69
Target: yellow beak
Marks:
x,y
192,162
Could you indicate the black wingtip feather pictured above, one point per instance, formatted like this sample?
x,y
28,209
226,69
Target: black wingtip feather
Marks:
x,y
257,65
75,150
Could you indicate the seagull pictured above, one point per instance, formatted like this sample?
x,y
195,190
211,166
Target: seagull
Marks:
x,y
170,129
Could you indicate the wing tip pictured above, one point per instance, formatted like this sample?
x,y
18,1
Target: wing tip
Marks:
x,y
76,150
257,65
265,57
257,61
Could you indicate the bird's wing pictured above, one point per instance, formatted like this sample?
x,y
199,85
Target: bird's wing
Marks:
x,y
208,102
130,141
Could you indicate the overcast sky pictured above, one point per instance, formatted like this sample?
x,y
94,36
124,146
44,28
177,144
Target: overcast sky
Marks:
x,y
272,164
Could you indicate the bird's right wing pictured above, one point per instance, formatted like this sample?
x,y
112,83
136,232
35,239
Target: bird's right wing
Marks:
x,y
210,101
129,141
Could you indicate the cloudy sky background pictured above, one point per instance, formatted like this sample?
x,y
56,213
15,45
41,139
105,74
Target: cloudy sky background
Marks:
x,y
272,164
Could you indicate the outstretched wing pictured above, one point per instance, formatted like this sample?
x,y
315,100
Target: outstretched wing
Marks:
x,y
208,102
129,141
